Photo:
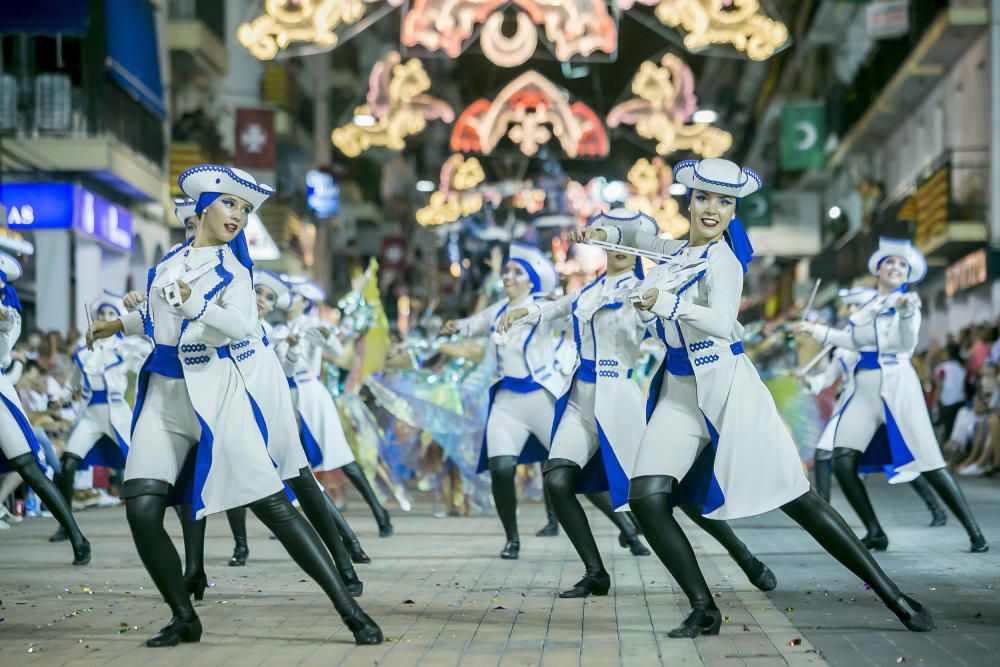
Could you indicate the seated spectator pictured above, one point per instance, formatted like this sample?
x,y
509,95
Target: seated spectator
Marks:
x,y
949,378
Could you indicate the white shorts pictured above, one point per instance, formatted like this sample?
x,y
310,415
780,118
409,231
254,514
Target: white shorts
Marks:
x,y
165,432
515,417
576,438
676,432
94,423
864,413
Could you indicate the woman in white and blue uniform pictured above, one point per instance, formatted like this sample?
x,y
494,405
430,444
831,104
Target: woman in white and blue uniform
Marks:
x,y
884,420
304,338
841,367
714,438
196,436
19,449
101,434
596,437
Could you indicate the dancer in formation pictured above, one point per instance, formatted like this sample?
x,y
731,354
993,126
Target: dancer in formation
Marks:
x,y
19,449
714,438
522,414
102,431
303,341
884,420
596,437
196,436
840,368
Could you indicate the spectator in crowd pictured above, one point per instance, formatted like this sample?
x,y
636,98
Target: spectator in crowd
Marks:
x,y
949,379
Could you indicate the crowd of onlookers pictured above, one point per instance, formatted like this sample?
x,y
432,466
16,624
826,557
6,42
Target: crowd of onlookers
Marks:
x,y
40,368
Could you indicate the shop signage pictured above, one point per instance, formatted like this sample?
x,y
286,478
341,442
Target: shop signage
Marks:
x,y
967,272
322,193
887,18
34,206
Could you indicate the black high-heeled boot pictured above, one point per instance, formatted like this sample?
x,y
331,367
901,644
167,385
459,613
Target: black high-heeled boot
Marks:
x,y
758,573
308,551
144,510
832,533
561,477
238,525
347,535
360,482
926,493
845,466
952,495
822,471
195,580
27,467
551,527
649,498
502,469
64,481
311,499
628,535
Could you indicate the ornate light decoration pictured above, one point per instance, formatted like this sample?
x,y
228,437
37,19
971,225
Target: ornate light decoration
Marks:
x,y
574,27
454,198
530,199
530,111
650,182
397,105
285,22
742,23
665,102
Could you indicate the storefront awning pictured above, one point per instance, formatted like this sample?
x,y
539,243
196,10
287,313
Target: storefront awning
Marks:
x,y
133,61
43,17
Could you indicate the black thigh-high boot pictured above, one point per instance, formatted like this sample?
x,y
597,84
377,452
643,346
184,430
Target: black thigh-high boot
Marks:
x,y
360,482
551,527
348,536
502,469
307,550
64,480
926,493
758,573
845,466
628,536
649,498
832,533
241,546
822,471
145,505
195,580
27,467
310,496
947,488
561,476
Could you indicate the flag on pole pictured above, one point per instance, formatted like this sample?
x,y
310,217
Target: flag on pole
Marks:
x,y
803,136
755,210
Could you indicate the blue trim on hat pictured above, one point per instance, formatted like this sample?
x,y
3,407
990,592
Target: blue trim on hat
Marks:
x,y
224,170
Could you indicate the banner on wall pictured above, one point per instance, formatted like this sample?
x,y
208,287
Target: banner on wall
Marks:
x,y
254,139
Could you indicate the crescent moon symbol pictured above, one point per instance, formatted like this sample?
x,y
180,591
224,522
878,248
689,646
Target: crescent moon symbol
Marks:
x,y
758,207
809,135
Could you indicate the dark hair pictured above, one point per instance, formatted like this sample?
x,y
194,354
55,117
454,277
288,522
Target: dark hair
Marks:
x,y
30,364
954,351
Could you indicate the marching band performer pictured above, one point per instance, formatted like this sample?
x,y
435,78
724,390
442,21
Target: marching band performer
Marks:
x,y
522,413
714,438
196,436
101,434
884,420
19,449
839,368
596,439
303,340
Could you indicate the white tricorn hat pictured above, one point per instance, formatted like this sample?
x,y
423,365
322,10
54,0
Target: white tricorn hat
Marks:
x,y
228,180
617,216
107,299
309,290
856,296
899,248
275,284
540,269
11,267
184,208
717,175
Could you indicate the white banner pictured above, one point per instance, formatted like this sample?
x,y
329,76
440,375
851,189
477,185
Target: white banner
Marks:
x,y
887,18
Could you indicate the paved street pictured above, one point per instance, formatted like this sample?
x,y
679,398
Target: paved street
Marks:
x,y
444,598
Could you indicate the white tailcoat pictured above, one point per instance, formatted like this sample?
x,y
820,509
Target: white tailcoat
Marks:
x,y
756,465
840,368
323,436
232,466
880,328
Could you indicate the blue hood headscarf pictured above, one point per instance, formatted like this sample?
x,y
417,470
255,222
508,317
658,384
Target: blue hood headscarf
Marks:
x,y
239,244
8,295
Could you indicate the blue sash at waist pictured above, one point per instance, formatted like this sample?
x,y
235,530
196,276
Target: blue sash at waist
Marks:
x,y
166,360
868,361
523,385
678,363
587,371
98,397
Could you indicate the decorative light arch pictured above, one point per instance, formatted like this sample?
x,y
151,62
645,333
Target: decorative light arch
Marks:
x,y
454,197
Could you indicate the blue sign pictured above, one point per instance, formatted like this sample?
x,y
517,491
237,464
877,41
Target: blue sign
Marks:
x,y
32,206
322,193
